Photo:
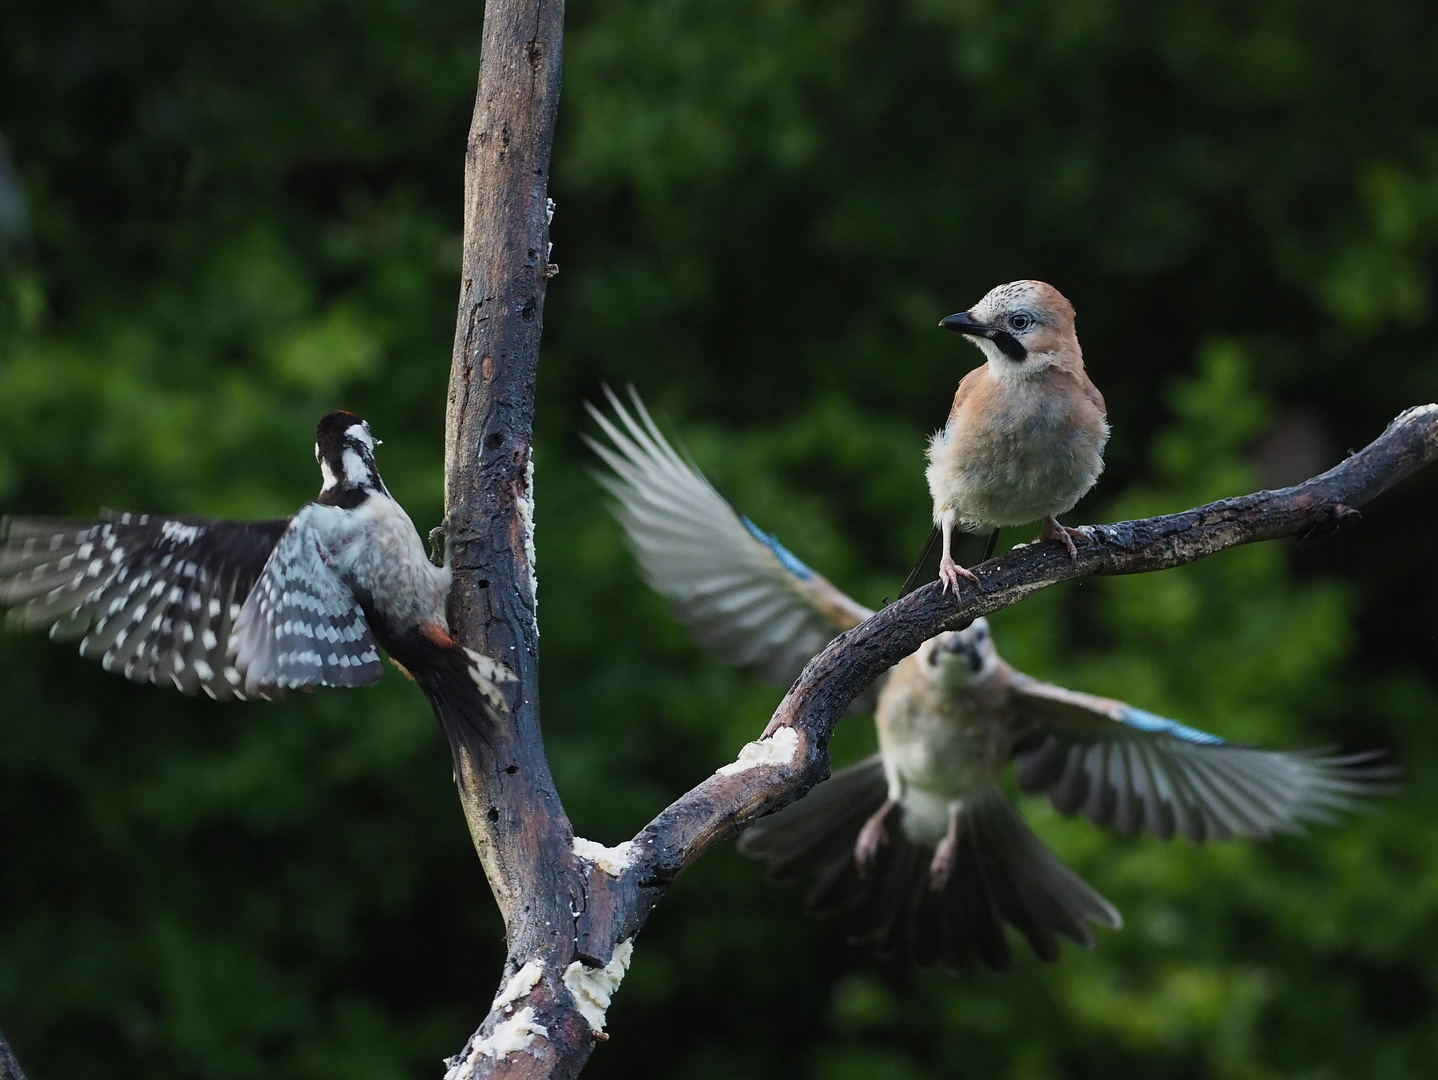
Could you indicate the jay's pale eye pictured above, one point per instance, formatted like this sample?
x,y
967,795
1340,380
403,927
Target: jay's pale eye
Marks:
x,y
1020,321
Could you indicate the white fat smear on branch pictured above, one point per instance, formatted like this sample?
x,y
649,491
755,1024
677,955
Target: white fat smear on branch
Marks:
x,y
778,749
525,503
523,981
612,860
510,1037
593,988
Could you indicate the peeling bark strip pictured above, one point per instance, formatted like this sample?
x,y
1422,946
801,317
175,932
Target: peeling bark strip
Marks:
x,y
571,906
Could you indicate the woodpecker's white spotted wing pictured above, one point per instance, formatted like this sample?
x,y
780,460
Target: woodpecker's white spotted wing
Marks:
x,y
736,588
154,598
250,609
1132,770
301,625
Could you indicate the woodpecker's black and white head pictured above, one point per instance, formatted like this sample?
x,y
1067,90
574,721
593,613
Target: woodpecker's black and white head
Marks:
x,y
961,657
344,449
1024,324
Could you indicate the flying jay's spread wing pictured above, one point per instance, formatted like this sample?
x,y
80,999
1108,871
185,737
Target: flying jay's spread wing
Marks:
x,y
1133,770
737,589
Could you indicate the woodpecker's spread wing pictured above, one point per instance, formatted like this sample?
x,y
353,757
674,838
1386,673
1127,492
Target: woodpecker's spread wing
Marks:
x,y
737,589
301,625
152,597
1133,770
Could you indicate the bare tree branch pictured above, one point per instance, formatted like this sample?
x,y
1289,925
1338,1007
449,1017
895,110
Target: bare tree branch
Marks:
x,y
9,1067
725,804
572,908
515,818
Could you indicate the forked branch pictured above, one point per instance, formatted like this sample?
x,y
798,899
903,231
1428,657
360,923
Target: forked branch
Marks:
x,y
617,888
572,908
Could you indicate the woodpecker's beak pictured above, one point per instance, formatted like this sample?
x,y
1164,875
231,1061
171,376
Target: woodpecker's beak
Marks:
x,y
963,323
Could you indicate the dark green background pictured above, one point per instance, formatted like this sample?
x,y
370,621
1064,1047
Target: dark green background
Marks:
x,y
243,215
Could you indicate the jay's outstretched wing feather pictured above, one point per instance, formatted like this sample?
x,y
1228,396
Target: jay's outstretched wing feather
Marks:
x,y
737,589
1132,770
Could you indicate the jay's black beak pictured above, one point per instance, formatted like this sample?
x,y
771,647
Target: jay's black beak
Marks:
x,y
963,323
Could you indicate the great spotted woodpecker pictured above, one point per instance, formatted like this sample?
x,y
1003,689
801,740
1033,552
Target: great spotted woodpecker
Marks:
x,y
245,609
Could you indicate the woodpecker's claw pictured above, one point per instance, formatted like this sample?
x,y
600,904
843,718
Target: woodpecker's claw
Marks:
x,y
438,545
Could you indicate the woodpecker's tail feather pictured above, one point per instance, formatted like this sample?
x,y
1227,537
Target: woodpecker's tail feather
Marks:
x,y
463,688
969,549
1001,873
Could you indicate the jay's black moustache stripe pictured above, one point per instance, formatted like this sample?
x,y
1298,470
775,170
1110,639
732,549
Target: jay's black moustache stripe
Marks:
x,y
1008,345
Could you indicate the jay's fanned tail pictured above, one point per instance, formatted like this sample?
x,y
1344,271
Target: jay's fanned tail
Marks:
x,y
1002,873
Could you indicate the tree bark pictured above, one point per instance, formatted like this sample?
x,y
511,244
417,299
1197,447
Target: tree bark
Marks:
x,y
514,814
9,1067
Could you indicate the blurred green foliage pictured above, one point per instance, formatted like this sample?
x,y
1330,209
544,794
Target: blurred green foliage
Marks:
x,y
241,216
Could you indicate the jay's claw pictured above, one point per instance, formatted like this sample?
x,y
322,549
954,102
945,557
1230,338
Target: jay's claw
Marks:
x,y
873,836
950,572
1052,530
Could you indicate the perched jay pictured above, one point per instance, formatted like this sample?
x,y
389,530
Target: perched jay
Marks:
x,y
917,846
1024,439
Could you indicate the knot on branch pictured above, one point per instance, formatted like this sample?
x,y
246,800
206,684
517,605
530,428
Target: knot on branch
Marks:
x,y
1333,516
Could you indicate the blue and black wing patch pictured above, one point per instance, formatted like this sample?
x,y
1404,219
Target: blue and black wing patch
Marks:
x,y
737,589
1131,770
